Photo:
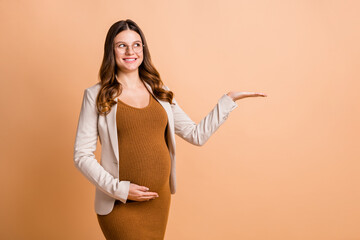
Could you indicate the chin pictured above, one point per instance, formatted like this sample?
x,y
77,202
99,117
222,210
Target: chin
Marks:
x,y
125,69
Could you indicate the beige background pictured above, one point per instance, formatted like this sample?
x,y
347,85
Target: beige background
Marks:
x,y
281,167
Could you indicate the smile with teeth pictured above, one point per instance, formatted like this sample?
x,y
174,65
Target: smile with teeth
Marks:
x,y
129,59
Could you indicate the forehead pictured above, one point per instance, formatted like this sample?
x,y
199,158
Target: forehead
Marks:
x,y
127,36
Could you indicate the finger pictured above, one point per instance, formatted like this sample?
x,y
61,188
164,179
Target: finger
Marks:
x,y
146,198
257,94
150,194
142,199
143,188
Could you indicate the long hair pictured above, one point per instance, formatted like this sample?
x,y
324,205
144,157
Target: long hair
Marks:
x,y
110,86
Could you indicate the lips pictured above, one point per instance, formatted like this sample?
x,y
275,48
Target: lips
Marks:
x,y
129,59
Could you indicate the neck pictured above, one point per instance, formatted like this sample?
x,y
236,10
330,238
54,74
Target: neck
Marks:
x,y
129,79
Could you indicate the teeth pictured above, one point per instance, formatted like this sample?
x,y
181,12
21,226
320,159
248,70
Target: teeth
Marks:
x,y
129,59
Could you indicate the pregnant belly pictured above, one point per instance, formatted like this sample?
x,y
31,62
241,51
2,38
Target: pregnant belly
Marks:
x,y
145,166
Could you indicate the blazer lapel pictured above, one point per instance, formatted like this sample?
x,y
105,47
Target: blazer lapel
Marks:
x,y
112,130
111,121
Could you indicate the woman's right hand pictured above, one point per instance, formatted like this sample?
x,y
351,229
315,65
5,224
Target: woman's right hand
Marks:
x,y
140,193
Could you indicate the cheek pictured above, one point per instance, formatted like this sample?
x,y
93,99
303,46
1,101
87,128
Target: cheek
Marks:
x,y
117,56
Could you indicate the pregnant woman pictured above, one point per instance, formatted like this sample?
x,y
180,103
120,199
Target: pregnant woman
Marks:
x,y
136,117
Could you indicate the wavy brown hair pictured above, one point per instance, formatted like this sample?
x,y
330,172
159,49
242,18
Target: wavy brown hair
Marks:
x,y
110,86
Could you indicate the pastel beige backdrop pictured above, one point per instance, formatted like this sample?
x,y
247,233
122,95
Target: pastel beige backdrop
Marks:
x,y
281,167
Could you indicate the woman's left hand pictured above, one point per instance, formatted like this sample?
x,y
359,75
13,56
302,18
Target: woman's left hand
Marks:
x,y
239,95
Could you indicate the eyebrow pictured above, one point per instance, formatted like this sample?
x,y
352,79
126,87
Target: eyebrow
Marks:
x,y
125,42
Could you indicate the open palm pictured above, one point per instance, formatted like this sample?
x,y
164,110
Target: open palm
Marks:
x,y
239,95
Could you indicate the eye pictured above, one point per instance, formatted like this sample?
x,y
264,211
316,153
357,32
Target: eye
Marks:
x,y
120,45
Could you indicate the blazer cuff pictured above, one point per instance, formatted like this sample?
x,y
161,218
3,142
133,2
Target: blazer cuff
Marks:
x,y
228,102
123,191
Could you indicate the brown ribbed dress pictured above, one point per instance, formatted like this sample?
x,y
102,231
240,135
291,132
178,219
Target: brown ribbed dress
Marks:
x,y
144,160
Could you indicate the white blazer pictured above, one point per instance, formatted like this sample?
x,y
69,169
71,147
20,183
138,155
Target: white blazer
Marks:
x,y
105,175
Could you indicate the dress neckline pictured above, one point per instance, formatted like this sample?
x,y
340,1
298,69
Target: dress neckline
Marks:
x,y
123,103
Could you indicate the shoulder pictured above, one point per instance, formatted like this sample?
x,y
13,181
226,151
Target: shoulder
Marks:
x,y
93,90
168,89
165,87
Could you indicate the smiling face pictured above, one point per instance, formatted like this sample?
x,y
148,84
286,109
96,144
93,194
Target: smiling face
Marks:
x,y
129,60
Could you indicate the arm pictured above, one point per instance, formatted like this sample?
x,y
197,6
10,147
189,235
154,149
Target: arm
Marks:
x,y
84,148
198,134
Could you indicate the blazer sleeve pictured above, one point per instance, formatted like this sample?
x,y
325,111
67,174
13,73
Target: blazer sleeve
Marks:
x,y
84,148
199,134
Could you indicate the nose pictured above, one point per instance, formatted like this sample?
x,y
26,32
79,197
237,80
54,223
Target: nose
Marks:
x,y
129,49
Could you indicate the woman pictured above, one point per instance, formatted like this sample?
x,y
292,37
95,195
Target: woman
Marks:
x,y
136,118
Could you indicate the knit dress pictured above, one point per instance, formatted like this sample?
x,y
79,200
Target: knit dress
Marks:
x,y
144,159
